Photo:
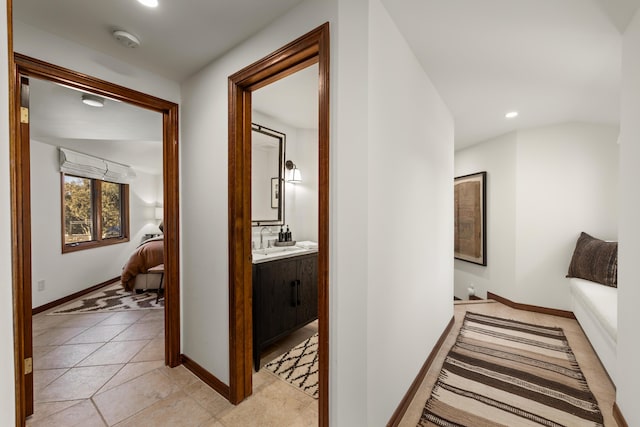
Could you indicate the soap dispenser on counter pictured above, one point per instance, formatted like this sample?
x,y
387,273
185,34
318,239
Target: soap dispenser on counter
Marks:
x,y
284,238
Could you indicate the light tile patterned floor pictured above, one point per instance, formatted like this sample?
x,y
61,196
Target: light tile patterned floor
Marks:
x,y
107,369
597,378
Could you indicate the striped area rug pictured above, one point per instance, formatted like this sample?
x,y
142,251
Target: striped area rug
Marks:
x,y
503,372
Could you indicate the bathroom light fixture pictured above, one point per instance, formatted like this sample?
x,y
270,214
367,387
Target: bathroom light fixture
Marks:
x,y
92,100
149,3
295,175
511,114
126,39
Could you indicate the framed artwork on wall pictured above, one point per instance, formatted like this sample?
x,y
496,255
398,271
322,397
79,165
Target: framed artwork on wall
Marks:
x,y
470,221
275,193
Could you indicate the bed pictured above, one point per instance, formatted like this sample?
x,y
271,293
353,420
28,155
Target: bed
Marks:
x,y
148,254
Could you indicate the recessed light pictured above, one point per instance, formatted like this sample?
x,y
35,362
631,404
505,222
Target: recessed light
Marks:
x,y
511,114
93,100
149,3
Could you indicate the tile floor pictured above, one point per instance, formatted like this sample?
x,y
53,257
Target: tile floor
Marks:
x,y
107,369
597,378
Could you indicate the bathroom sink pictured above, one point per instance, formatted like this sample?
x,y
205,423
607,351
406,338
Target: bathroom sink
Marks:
x,y
278,252
276,249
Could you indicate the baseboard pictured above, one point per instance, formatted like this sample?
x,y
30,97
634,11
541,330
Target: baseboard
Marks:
x,y
474,298
415,385
206,376
534,308
617,415
73,296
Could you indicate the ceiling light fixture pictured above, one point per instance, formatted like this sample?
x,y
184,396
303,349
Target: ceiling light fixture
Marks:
x,y
126,39
511,114
149,3
93,100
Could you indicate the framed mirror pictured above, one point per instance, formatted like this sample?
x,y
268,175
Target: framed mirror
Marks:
x,y
267,176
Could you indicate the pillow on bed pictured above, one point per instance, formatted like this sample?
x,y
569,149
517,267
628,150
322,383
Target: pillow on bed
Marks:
x,y
595,260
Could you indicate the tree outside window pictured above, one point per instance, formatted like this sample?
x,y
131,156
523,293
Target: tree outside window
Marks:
x,y
111,196
95,213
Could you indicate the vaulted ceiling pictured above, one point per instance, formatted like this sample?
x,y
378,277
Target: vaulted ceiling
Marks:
x,y
551,60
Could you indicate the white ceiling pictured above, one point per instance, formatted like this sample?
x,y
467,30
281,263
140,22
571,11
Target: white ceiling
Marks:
x,y
178,38
118,131
552,60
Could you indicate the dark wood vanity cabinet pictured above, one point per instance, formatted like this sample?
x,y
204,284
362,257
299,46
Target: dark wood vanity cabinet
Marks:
x,y
285,298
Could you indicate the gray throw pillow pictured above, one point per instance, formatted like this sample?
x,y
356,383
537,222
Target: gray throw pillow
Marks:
x,y
595,260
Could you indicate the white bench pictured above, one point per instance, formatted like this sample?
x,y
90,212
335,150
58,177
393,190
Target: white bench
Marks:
x,y
596,308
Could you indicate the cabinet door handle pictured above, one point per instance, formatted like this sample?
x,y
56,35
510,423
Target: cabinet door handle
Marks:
x,y
294,293
298,290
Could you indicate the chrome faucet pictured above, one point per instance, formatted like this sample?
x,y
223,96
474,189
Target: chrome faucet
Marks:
x,y
261,230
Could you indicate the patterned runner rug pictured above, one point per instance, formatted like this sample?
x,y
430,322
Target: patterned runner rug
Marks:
x,y
503,372
112,298
299,366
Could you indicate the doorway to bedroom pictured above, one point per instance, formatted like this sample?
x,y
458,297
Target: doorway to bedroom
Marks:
x,y
78,347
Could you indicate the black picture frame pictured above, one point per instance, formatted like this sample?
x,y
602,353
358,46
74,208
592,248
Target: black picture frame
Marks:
x,y
470,218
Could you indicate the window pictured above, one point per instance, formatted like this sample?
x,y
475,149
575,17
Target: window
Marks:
x,y
95,213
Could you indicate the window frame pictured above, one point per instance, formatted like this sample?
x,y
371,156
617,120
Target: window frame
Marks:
x,y
97,240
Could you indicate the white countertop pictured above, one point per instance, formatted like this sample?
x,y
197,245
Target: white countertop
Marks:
x,y
271,254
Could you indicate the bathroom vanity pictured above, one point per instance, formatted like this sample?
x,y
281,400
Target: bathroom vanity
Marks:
x,y
285,294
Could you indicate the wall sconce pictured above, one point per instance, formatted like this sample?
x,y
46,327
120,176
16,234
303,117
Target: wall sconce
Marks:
x,y
295,175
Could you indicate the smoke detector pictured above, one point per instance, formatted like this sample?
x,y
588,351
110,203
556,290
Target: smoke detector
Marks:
x,y
126,39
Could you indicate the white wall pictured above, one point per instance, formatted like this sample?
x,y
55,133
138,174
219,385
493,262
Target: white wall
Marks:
x,y
204,187
567,182
410,209
7,391
629,228
545,186
302,197
356,396
65,274
498,158
348,258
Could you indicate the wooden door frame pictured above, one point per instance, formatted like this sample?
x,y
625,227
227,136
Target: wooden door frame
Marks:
x,y
309,49
21,215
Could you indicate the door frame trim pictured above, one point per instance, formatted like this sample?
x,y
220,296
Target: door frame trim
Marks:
x,y
21,229
309,49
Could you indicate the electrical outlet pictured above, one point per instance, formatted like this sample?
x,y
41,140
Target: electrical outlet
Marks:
x,y
40,285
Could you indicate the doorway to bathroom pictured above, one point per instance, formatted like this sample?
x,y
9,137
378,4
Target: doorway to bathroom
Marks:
x,y
310,49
